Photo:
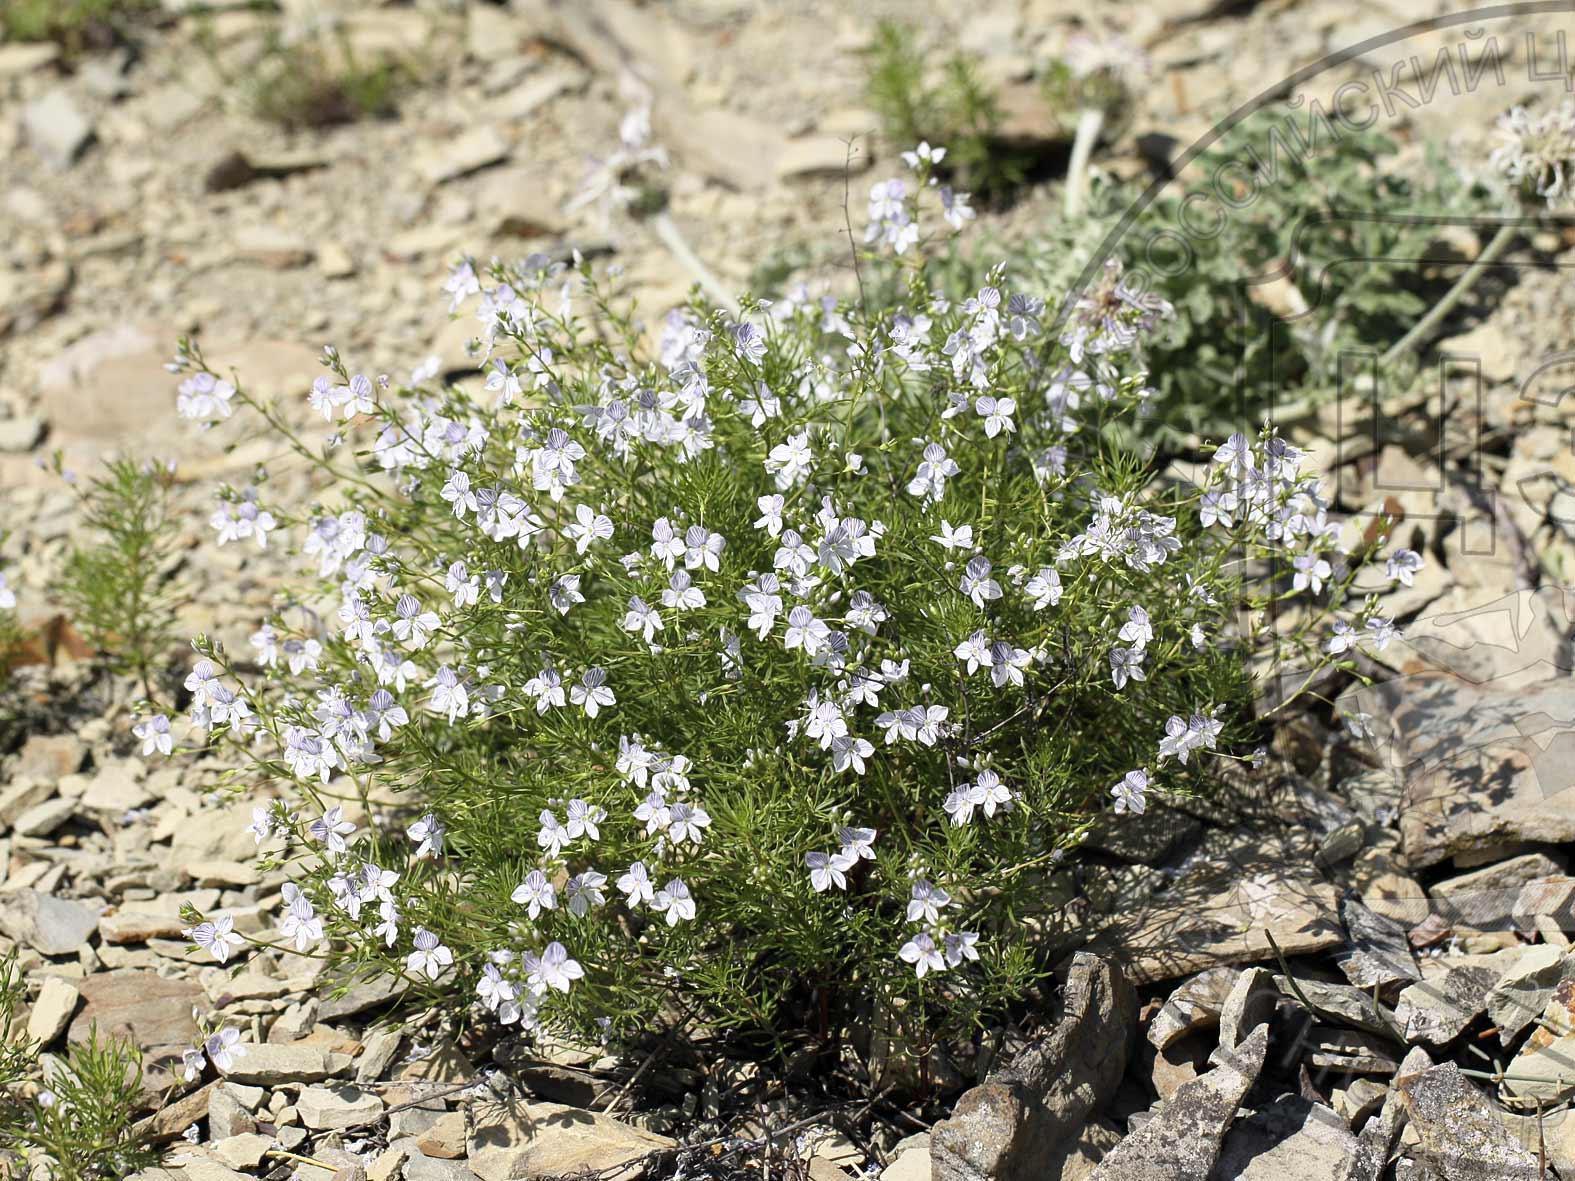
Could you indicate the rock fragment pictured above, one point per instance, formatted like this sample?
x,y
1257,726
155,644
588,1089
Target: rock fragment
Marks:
x,y
1183,1139
1020,1121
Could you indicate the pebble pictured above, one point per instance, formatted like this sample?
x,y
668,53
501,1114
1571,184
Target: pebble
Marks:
x,y
272,1065
50,925
52,1011
327,1108
469,152
23,433
56,127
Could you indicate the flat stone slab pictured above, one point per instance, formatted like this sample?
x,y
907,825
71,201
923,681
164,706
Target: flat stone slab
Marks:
x,y
1232,927
151,1010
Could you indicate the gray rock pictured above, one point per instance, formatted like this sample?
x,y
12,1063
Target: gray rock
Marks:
x,y
1462,1137
357,997
22,434
1524,991
1195,1005
51,1012
1340,1002
1292,1137
242,1151
48,757
330,1108
1251,1003
1436,1010
42,819
551,1140
56,127
421,1167
24,57
1024,1117
150,1009
1546,898
271,1065
53,926
1378,1137
1349,1050
467,153
1150,839
227,1115
1485,898
1379,952
1182,1141
820,156
377,1054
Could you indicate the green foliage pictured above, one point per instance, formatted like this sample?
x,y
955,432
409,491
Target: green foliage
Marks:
x,y
944,101
308,84
876,430
1351,234
75,24
118,589
74,1116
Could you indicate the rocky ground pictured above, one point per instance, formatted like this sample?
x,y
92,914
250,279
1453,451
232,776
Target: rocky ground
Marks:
x,y
1356,967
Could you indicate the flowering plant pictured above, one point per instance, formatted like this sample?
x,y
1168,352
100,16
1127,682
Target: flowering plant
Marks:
x,y
761,670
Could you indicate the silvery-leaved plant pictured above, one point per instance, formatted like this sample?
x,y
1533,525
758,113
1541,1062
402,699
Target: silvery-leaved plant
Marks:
x,y
761,666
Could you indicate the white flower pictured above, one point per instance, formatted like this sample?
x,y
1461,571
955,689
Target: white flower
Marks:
x,y
565,593
413,625
959,538
552,969
1128,792
1044,588
584,891
155,735
1403,565
642,618
300,921
827,870
592,693
993,793
583,819
974,652
805,631
681,593
997,414
961,801
926,901
224,1047
977,583
535,893
552,836
674,899
331,828
1126,663
204,398
1311,570
428,835
960,946
493,989
216,937
791,462
770,518
430,957
1136,631
921,952
857,843
636,885
588,528
687,822
449,694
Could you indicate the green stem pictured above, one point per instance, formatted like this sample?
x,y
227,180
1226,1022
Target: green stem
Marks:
x,y
1089,122
1423,328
